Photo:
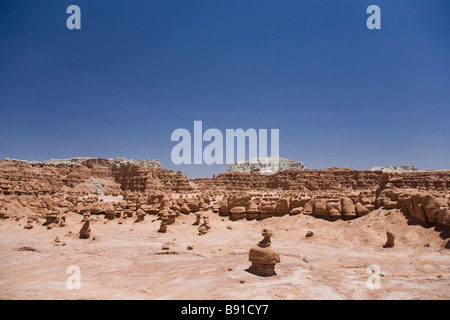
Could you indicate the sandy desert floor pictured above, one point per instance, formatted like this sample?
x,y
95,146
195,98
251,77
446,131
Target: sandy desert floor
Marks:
x,y
126,261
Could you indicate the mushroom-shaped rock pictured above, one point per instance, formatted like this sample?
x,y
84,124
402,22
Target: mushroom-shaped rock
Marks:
x,y
202,230
85,231
263,257
252,210
204,227
198,217
171,216
86,216
164,221
140,214
390,239
206,222
51,217
165,203
110,211
238,213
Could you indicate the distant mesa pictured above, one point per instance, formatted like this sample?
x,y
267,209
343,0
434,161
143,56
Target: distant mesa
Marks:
x,y
95,162
395,169
266,163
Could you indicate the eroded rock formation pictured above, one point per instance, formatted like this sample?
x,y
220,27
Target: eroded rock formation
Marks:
x,y
263,257
313,181
88,176
121,188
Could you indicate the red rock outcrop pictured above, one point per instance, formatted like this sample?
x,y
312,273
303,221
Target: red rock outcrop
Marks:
x,y
52,189
85,175
330,180
134,177
263,257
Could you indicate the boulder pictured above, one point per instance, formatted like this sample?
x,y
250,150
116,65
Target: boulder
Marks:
x,y
296,210
237,213
216,207
110,210
296,203
238,201
334,209
122,204
224,209
85,231
140,214
283,206
97,208
185,209
361,210
267,210
65,204
251,207
309,234
435,208
193,204
309,207
367,200
320,208
252,210
390,239
348,208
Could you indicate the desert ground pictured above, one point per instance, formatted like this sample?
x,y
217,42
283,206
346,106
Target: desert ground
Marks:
x,y
126,260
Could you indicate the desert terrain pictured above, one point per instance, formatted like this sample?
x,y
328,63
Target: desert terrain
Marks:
x,y
142,240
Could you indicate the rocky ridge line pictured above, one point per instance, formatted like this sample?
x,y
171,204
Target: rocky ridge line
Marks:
x,y
263,164
86,161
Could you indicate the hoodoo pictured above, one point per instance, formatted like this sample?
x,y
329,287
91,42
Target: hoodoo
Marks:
x,y
263,257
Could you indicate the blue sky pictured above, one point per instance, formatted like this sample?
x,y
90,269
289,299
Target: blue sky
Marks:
x,y
340,94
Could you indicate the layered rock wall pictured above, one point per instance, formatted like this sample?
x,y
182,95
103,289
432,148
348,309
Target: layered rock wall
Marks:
x,y
87,175
134,177
330,180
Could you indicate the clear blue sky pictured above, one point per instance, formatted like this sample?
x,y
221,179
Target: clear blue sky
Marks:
x,y
341,95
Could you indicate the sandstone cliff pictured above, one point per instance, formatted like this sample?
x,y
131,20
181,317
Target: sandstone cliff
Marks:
x,y
87,175
330,180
